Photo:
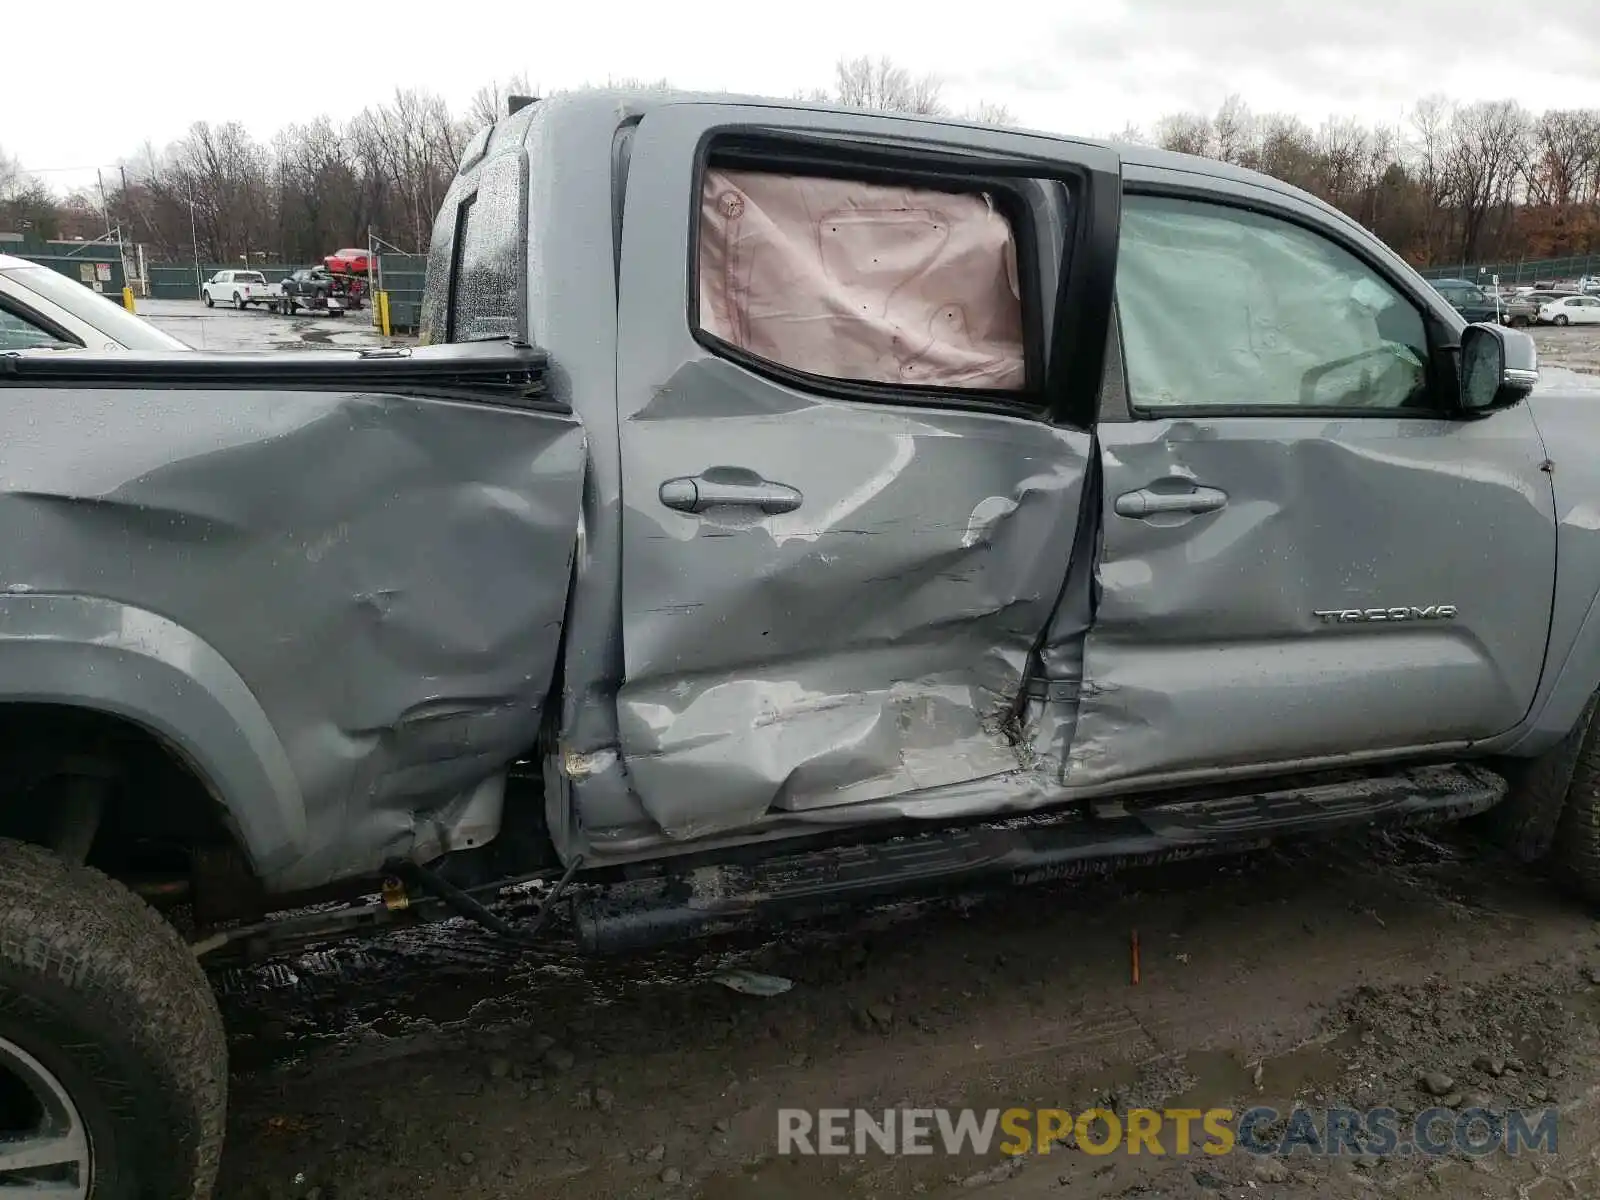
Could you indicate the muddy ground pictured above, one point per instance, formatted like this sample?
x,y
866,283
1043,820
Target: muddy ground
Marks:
x,y
438,1064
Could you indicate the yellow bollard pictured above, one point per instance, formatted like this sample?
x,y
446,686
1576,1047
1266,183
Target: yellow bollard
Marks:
x,y
127,300
383,312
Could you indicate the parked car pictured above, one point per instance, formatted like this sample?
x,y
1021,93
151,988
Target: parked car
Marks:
x,y
1467,298
43,309
238,288
802,516
311,288
1522,309
1570,310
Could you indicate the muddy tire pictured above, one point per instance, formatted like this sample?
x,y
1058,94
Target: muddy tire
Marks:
x,y
1525,822
112,1057
1575,854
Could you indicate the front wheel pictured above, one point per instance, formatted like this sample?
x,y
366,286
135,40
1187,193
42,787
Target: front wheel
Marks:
x,y
113,1066
1560,319
209,302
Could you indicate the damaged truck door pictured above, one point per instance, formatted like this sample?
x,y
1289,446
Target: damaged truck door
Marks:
x,y
1306,542
851,474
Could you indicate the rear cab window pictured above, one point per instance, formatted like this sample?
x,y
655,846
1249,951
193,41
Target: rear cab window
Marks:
x,y
860,281
881,279
485,246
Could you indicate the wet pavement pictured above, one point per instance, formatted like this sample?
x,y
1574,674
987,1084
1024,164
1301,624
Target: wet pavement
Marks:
x,y
229,330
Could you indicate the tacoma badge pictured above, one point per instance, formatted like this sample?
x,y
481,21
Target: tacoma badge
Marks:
x,y
1434,612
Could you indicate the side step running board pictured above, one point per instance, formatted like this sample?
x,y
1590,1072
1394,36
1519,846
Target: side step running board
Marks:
x,y
664,908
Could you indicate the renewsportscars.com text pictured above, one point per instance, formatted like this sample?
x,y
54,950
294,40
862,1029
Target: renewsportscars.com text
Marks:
x,y
1262,1130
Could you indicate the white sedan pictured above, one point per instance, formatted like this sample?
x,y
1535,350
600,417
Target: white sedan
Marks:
x,y
1570,310
42,309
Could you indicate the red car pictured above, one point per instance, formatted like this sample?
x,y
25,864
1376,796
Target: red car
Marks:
x,y
348,262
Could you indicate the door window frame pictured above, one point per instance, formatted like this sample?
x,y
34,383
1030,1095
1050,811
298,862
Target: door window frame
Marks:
x,y
1444,340
1054,378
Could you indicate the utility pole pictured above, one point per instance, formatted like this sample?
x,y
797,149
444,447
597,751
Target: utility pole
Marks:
x,y
104,211
194,239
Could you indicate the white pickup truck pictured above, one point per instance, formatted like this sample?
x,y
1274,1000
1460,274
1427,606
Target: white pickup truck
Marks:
x,y
240,289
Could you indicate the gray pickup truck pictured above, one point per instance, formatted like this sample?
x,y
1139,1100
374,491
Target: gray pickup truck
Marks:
x,y
788,508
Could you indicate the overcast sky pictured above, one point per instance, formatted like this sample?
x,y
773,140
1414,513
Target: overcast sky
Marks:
x,y
1087,68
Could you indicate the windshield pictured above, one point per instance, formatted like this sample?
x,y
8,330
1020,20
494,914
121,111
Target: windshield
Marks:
x,y
90,307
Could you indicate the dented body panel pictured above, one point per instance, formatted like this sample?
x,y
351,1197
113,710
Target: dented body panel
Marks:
x,y
1211,647
344,608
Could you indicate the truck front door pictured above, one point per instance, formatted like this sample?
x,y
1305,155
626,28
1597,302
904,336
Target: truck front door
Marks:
x,y
1309,555
854,402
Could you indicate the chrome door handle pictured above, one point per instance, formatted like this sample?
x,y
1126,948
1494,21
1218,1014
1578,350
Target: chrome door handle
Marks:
x,y
696,493
1145,503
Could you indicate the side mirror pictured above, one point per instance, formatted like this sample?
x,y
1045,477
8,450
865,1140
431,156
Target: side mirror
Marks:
x,y
1499,367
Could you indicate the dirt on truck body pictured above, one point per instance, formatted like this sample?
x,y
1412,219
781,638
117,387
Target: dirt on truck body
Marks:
x,y
789,508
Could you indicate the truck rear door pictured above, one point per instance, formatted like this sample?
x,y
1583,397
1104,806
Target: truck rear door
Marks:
x,y
1309,555
854,395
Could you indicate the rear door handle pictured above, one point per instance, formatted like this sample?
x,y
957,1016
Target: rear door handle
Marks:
x,y
1145,503
696,493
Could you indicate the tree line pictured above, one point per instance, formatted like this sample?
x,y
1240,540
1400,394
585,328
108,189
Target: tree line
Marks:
x,y
1455,183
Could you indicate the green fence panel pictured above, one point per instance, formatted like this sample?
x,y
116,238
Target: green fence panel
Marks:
x,y
402,276
100,269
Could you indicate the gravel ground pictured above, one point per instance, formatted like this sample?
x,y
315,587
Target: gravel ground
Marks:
x,y
1402,970
1576,347
437,1065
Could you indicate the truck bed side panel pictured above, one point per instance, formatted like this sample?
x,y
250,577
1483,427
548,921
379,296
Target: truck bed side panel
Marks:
x,y
387,574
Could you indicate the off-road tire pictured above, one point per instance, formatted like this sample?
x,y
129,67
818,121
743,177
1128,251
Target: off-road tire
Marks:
x,y
106,995
1575,854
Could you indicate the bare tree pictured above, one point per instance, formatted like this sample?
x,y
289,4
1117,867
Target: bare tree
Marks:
x,y
10,175
1186,133
1565,155
1233,131
1489,156
488,103
26,204
987,112
883,84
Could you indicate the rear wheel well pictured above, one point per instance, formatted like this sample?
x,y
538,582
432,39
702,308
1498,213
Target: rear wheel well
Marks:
x,y
158,819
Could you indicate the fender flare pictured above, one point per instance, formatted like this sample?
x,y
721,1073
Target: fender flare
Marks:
x,y
138,665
